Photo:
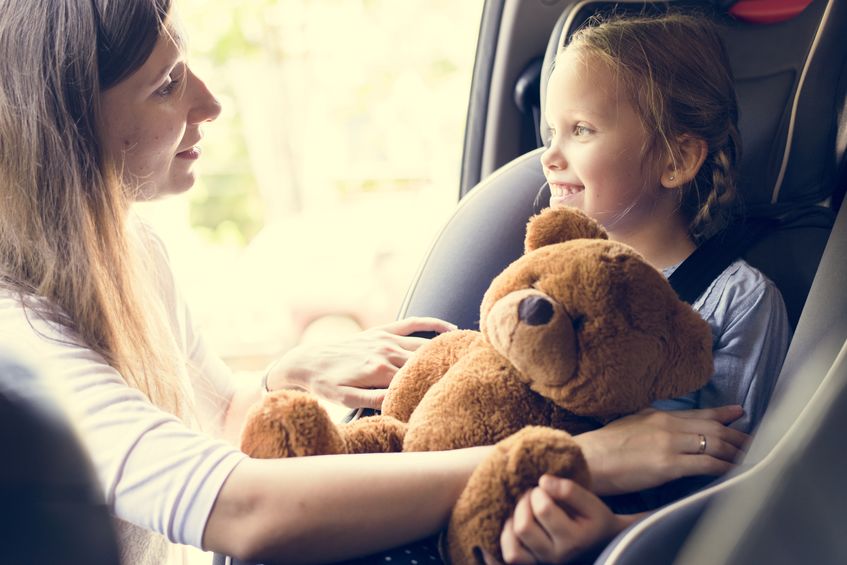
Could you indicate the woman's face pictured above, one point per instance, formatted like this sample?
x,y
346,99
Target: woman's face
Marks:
x,y
151,122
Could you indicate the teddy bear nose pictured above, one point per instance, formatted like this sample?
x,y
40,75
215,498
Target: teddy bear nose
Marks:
x,y
535,310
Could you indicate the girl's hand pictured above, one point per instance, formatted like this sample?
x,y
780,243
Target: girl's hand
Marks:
x,y
653,447
354,371
557,521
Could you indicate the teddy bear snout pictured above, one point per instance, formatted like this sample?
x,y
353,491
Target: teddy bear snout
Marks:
x,y
535,310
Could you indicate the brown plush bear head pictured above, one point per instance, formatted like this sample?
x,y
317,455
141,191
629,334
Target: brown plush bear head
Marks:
x,y
589,324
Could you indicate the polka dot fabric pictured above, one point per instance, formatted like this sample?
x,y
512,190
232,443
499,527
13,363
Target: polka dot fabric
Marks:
x,y
423,552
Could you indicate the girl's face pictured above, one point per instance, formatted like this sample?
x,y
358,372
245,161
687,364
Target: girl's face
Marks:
x,y
151,123
595,159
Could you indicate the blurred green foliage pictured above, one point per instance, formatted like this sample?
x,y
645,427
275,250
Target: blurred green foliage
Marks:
x,y
225,206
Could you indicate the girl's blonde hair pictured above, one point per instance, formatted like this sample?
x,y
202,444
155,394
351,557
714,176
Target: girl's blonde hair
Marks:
x,y
676,73
67,246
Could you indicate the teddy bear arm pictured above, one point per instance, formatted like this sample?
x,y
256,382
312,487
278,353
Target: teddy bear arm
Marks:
x,y
374,434
424,369
290,423
498,482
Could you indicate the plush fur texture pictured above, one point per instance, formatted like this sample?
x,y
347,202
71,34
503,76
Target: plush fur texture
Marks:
x,y
577,332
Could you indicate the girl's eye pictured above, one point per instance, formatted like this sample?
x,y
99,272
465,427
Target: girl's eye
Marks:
x,y
581,130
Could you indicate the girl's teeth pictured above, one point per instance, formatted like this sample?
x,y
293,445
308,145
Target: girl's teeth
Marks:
x,y
565,191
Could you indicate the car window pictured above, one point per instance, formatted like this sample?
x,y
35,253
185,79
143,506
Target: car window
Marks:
x,y
334,162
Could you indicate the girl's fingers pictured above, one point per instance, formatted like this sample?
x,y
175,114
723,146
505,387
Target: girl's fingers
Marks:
x,y
489,559
576,499
511,547
557,521
531,535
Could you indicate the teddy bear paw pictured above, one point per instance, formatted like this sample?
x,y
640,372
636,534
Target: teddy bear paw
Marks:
x,y
290,424
500,480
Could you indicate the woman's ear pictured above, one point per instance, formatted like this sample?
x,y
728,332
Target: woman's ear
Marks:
x,y
691,152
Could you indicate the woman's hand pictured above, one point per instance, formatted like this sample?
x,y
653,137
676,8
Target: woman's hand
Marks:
x,y
557,521
354,371
653,447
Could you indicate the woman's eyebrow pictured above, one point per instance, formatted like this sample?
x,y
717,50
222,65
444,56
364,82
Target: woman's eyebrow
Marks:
x,y
164,72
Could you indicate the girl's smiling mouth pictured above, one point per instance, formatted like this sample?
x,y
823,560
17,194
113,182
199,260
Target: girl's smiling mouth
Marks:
x,y
562,189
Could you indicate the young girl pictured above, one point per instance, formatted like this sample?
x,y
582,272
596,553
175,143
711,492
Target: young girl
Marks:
x,y
643,123
98,108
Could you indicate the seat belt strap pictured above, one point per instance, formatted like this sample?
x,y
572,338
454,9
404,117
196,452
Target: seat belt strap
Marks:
x,y
696,273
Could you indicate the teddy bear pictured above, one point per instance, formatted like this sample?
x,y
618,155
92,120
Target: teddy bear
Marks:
x,y
575,333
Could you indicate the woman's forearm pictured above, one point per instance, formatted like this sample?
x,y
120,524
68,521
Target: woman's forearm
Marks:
x,y
247,392
316,509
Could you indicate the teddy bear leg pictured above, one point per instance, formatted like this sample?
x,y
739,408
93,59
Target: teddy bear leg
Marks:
x,y
374,434
289,423
498,482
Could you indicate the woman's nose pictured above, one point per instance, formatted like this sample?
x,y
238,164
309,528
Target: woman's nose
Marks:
x,y
205,107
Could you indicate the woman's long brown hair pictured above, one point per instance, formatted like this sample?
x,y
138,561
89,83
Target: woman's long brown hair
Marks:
x,y
68,247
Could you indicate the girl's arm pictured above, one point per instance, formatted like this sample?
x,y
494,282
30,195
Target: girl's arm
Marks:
x,y
331,507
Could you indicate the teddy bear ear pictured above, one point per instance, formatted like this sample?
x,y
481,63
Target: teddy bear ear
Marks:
x,y
557,225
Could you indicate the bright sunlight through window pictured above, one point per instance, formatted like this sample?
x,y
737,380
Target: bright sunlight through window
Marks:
x,y
332,166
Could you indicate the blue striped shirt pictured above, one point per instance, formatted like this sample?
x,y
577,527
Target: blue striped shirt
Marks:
x,y
750,332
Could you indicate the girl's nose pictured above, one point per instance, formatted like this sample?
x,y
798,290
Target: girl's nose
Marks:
x,y
552,158
205,107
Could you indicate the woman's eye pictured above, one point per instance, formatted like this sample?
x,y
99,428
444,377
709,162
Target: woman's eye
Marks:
x,y
173,81
169,87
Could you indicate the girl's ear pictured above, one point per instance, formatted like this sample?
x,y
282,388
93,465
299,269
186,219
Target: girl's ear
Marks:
x,y
691,153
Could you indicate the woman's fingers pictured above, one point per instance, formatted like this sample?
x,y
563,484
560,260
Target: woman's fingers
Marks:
x,y
418,324
360,397
713,431
700,465
714,446
723,414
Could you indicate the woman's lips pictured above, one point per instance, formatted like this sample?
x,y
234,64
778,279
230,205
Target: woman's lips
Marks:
x,y
191,153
